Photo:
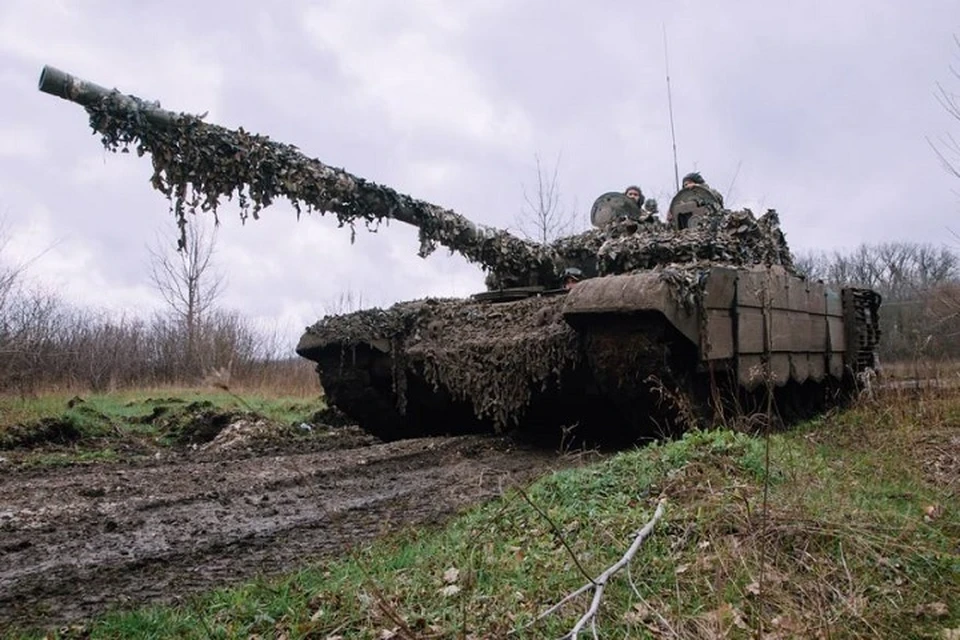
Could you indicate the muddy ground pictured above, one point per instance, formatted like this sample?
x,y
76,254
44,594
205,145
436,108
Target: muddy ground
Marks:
x,y
156,526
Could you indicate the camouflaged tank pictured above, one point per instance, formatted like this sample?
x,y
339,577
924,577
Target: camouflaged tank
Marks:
x,y
666,323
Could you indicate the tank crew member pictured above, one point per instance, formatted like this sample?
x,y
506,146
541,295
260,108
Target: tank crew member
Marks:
x,y
650,206
634,193
571,276
694,179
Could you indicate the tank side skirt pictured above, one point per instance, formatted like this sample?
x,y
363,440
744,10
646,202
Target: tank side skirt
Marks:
x,y
784,331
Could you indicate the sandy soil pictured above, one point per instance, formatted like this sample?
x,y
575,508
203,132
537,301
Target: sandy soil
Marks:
x,y
76,541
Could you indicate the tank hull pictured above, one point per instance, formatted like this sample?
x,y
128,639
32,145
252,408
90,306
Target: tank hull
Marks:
x,y
630,356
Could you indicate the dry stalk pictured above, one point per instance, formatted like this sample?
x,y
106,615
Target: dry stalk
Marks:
x,y
556,532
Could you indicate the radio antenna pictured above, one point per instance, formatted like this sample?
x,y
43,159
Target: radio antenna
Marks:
x,y
733,181
673,133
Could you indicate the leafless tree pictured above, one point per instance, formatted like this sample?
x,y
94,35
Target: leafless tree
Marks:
x,y
188,281
947,147
920,285
347,301
8,273
812,264
46,342
544,218
12,273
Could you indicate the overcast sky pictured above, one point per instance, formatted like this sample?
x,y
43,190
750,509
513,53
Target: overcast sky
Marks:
x,y
820,110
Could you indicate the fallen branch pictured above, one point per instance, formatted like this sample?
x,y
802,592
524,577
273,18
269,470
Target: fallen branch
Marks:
x,y
599,584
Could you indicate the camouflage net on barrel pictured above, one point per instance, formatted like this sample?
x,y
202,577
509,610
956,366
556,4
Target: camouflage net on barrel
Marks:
x,y
196,164
494,356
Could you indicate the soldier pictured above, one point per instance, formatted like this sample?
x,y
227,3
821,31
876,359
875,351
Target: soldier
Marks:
x,y
634,193
651,207
694,179
570,277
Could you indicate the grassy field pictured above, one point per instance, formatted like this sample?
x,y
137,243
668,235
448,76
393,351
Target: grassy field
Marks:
x,y
848,526
945,371
60,428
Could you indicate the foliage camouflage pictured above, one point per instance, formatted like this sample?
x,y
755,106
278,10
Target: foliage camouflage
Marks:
x,y
197,164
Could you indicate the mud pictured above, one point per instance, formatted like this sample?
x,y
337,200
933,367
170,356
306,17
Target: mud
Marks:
x,y
55,430
78,541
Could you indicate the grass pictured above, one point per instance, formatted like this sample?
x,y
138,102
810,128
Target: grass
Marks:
x,y
922,368
135,403
91,427
63,458
857,535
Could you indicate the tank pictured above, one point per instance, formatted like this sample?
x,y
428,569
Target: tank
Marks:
x,y
634,328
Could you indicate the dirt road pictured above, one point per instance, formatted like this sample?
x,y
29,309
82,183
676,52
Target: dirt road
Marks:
x,y
78,540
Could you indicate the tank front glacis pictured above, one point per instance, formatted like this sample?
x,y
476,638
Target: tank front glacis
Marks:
x,y
486,363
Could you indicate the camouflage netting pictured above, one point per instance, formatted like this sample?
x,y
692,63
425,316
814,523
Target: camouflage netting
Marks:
x,y
683,258
733,238
195,164
493,356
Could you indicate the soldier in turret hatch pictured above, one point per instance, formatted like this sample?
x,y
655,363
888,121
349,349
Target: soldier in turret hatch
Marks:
x,y
648,207
570,277
694,179
634,193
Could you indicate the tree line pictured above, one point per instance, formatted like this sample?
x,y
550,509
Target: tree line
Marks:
x,y
920,285
47,343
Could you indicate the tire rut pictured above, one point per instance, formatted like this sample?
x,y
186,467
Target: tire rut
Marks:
x,y
79,541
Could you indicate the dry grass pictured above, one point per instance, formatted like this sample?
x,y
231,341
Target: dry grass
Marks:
x,y
922,369
294,378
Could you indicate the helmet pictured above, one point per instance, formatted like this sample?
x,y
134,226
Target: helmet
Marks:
x,y
694,177
572,272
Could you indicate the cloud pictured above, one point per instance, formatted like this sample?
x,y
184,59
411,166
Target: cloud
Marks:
x,y
68,266
22,143
65,35
407,62
824,112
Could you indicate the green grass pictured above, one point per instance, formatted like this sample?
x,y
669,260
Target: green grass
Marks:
x,y
64,458
857,536
125,405
88,427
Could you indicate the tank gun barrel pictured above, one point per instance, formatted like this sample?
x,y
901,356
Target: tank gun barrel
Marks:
x,y
89,94
197,163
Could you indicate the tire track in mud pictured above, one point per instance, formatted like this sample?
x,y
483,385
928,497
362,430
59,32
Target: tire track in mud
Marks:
x,y
77,541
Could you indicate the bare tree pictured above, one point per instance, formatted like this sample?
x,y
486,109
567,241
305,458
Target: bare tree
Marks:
x,y
347,301
948,147
12,273
920,285
8,274
812,264
187,281
543,218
